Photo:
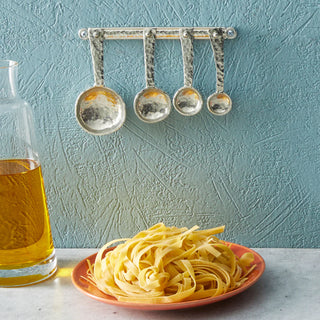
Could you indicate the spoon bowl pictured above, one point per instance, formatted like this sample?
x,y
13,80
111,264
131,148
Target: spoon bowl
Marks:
x,y
152,105
187,101
219,103
100,110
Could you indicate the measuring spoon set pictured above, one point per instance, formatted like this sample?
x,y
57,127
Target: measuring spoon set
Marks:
x,y
100,110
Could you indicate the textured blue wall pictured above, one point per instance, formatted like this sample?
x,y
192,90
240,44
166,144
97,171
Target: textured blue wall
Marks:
x,y
255,170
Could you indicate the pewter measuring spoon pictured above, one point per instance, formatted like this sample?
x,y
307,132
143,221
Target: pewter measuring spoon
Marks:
x,y
151,104
219,103
99,110
187,100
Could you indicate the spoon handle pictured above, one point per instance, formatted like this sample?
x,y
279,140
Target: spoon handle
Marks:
x,y
149,44
187,56
216,39
96,47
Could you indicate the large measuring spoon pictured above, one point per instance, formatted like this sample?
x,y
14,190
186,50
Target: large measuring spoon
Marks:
x,y
151,104
219,103
187,99
99,110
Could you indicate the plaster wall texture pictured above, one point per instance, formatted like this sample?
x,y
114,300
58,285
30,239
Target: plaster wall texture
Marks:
x,y
256,170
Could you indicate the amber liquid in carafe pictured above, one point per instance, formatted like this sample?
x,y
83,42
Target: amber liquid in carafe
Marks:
x,y
25,233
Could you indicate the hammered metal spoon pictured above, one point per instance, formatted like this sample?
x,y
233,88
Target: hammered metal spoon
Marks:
x,y
219,103
187,100
151,104
99,110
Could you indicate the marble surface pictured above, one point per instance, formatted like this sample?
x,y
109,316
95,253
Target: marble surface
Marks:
x,y
289,289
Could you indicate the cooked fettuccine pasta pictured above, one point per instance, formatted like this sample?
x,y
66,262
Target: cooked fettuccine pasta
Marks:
x,y
169,264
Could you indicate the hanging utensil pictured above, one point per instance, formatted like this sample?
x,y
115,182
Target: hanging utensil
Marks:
x,y
151,104
187,100
219,103
99,110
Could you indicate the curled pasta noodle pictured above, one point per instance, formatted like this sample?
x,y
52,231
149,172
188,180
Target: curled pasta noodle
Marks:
x,y
169,264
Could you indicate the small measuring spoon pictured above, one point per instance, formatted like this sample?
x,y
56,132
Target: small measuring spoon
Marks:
x,y
187,100
151,104
99,110
219,103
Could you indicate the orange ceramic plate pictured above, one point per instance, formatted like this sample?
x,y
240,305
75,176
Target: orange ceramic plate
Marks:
x,y
91,291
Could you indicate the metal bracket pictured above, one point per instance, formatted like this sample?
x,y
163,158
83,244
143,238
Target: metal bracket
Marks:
x,y
160,33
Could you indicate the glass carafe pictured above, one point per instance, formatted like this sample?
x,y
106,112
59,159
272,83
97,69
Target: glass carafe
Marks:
x,y
27,253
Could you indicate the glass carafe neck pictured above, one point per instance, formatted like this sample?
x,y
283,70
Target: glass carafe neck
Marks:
x,y
8,79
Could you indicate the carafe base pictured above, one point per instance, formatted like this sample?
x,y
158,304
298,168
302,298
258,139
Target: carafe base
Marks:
x,y
29,275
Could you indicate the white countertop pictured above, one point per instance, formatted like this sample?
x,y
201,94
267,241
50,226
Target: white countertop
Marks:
x,y
288,289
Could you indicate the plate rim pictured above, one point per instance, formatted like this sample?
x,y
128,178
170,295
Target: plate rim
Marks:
x,y
174,305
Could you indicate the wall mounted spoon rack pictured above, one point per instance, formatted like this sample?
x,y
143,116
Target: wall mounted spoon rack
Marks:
x,y
100,110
